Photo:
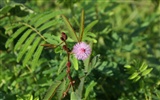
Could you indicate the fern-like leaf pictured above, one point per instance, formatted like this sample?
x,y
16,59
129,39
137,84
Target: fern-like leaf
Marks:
x,y
37,54
31,51
26,45
16,34
31,34
22,39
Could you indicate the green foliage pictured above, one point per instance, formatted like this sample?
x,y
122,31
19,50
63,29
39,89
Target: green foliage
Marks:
x,y
72,34
89,89
118,33
138,70
15,9
32,36
74,96
75,63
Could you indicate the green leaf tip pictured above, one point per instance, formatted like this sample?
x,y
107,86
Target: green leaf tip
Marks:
x,y
71,33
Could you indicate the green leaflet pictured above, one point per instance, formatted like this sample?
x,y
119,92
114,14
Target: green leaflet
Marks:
x,y
45,18
51,39
89,89
79,91
61,76
36,18
90,34
88,27
147,71
62,65
89,39
6,9
24,49
95,60
134,75
136,78
128,66
31,51
74,96
75,62
10,28
143,67
61,89
71,33
58,50
22,39
50,70
18,32
81,26
26,97
48,25
138,69
52,89
94,63
37,54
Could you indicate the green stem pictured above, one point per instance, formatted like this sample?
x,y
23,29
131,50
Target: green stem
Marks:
x,y
34,30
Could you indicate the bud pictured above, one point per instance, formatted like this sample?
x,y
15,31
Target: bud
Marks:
x,y
72,82
68,70
63,36
68,64
62,39
65,48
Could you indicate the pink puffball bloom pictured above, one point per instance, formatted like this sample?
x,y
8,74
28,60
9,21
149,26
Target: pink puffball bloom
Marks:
x,y
81,50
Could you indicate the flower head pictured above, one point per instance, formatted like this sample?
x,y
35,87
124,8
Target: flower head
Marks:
x,y
81,50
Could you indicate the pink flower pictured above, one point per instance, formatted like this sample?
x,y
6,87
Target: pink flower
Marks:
x,y
81,50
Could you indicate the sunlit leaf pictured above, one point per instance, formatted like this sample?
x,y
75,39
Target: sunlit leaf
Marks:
x,y
134,75
75,63
143,67
127,66
144,73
